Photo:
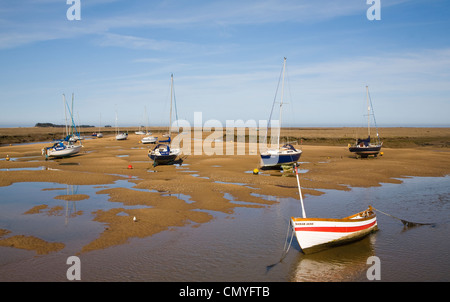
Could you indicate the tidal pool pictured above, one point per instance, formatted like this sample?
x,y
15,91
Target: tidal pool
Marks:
x,y
241,246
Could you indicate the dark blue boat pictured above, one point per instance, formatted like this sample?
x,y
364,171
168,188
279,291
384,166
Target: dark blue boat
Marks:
x,y
364,147
274,158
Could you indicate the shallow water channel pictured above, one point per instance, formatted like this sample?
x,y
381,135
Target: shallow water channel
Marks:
x,y
233,247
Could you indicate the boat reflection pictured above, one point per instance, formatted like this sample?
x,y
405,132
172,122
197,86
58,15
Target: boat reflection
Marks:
x,y
343,263
71,209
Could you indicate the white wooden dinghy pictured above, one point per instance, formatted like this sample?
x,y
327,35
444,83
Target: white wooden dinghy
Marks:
x,y
315,234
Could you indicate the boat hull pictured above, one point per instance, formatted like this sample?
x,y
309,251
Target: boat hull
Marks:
x,y
122,136
163,155
365,151
316,234
273,160
149,140
63,152
163,159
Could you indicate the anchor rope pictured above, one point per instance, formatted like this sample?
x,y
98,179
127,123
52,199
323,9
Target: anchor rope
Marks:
x,y
405,222
285,251
387,214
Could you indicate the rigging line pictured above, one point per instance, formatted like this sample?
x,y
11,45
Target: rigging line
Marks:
x,y
273,105
373,114
175,103
166,103
71,117
290,96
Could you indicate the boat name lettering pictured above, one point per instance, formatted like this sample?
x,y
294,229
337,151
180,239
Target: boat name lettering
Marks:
x,y
305,223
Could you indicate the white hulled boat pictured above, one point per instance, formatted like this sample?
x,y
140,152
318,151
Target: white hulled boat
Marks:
x,y
315,234
64,147
120,135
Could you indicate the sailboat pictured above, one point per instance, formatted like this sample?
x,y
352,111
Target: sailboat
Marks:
x,y
61,148
139,132
316,234
364,147
163,154
148,139
120,136
287,154
64,147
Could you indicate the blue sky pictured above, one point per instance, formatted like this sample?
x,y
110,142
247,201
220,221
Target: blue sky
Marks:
x,y
226,57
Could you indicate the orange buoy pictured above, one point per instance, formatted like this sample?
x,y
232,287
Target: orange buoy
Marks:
x,y
130,167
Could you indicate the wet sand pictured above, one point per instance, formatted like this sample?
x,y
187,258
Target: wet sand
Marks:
x,y
326,163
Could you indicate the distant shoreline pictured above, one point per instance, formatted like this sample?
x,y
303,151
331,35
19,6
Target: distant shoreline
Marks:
x,y
223,122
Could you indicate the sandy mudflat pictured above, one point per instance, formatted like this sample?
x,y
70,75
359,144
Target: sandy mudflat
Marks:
x,y
326,163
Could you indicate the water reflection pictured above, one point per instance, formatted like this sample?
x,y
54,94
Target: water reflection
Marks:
x,y
342,263
39,209
71,207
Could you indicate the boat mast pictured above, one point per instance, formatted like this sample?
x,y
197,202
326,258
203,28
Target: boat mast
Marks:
x,y
71,114
170,118
281,102
65,114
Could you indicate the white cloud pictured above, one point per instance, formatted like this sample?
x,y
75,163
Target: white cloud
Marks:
x,y
134,42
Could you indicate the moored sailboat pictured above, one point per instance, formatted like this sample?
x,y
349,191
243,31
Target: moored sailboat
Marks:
x,y
163,154
365,147
67,146
149,139
120,135
61,148
287,154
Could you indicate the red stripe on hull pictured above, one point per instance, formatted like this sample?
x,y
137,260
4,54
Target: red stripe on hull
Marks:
x,y
336,229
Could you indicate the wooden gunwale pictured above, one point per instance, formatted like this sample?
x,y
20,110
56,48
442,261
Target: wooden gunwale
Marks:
x,y
345,219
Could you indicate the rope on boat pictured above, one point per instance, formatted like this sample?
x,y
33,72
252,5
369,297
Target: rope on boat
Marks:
x,y
405,222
